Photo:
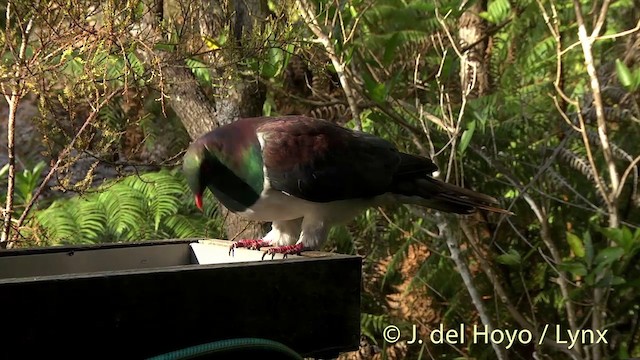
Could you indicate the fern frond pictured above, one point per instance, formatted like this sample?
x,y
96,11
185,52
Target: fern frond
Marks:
x,y
577,163
134,63
182,226
371,324
151,206
90,218
125,210
59,223
160,192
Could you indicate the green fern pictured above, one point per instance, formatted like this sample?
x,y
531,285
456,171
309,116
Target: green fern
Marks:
x,y
199,69
372,325
90,219
59,222
161,192
125,210
135,64
151,206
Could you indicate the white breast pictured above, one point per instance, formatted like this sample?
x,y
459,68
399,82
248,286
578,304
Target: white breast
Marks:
x,y
275,205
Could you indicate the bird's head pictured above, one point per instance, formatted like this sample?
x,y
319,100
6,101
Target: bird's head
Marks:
x,y
194,166
228,162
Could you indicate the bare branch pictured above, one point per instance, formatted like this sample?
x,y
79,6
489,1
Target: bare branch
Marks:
x,y
587,43
601,18
13,97
452,243
626,173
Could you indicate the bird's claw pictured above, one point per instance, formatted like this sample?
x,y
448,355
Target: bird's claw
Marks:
x,y
247,243
284,250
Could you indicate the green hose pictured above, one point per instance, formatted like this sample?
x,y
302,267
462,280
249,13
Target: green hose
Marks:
x,y
217,349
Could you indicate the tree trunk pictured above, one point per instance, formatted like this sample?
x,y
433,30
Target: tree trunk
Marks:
x,y
235,96
474,72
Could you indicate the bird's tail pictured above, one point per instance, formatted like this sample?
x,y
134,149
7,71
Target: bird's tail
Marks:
x,y
435,194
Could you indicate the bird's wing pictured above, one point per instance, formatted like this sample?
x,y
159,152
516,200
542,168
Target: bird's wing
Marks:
x,y
319,161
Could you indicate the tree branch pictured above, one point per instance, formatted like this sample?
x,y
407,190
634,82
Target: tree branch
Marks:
x,y
545,234
463,270
62,155
599,294
13,97
309,16
587,43
504,297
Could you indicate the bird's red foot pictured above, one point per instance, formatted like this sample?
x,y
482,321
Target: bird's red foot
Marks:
x,y
249,244
284,250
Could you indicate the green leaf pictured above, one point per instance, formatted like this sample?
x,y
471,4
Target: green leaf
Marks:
x,y
617,280
74,66
4,170
609,280
574,267
274,63
378,92
200,70
609,255
135,64
465,139
576,244
588,248
391,49
624,74
511,258
511,194
165,47
497,11
621,236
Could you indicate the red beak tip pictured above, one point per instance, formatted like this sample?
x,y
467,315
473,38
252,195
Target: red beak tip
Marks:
x,y
199,202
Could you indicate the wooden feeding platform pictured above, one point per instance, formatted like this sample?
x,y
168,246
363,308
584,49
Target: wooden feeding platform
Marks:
x,y
137,300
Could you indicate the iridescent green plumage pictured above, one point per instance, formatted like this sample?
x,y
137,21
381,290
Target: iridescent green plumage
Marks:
x,y
251,168
228,164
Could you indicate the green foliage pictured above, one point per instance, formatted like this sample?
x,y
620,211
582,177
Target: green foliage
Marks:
x,y
497,12
610,264
628,78
25,184
510,258
200,70
372,325
150,206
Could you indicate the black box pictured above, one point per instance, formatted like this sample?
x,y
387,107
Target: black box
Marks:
x,y
137,300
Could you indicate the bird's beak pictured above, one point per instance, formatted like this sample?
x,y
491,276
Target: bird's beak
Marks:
x,y
199,201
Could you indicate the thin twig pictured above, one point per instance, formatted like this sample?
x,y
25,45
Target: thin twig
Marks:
x,y
605,37
626,173
63,155
601,18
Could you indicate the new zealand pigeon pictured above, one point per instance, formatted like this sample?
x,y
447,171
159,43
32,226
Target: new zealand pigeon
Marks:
x,y
306,175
